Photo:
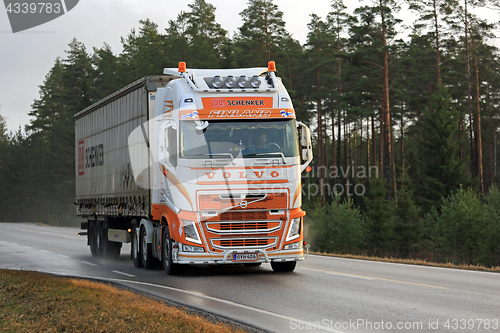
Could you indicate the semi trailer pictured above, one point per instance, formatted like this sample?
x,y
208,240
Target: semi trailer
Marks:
x,y
195,166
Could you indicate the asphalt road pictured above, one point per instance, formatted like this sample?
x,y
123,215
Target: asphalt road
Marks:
x,y
323,294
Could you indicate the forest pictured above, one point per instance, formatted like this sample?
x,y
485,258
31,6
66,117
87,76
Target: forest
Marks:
x,y
404,117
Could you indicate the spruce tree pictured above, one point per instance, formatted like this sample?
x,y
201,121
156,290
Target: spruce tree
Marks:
x,y
440,170
379,218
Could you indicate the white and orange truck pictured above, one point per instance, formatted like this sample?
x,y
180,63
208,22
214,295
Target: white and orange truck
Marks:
x,y
196,166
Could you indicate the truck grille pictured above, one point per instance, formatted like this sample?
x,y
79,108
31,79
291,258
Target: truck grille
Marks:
x,y
243,216
225,243
243,226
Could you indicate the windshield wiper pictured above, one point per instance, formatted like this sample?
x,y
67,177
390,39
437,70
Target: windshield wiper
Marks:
x,y
274,153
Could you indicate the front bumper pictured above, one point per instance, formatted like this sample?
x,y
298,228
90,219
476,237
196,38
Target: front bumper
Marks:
x,y
225,257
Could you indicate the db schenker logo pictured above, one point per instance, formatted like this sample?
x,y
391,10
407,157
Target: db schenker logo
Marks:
x,y
26,14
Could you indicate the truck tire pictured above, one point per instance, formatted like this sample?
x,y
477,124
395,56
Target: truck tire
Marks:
x,y
92,235
134,248
145,249
110,250
168,265
284,266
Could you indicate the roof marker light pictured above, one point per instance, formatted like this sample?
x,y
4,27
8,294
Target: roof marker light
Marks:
x,y
182,67
271,66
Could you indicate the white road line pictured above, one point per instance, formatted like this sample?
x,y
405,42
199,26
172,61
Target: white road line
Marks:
x,y
246,307
416,266
51,233
45,251
122,273
62,255
88,263
348,275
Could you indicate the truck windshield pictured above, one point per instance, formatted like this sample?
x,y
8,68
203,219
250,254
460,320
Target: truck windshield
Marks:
x,y
250,138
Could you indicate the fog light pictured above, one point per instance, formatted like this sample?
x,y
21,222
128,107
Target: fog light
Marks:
x,y
293,246
191,248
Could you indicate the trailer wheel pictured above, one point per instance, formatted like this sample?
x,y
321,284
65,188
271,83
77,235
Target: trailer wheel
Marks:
x,y
170,267
134,248
145,249
285,266
92,235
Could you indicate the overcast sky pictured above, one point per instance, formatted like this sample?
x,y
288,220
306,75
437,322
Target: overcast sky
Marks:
x,y
26,57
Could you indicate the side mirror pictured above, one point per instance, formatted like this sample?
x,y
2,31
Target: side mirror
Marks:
x,y
305,145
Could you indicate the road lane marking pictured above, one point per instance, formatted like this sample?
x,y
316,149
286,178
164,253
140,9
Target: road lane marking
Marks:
x,y
372,277
45,251
88,263
246,307
349,275
122,273
62,255
49,233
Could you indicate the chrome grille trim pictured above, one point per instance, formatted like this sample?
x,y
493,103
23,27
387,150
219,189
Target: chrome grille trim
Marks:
x,y
244,231
220,247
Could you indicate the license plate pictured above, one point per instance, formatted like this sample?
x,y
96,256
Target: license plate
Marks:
x,y
245,257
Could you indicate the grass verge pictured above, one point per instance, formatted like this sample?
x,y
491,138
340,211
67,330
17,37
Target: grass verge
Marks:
x,y
36,302
411,262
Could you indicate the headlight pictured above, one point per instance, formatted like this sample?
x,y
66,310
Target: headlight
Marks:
x,y
243,81
255,81
191,248
294,229
190,231
217,82
231,81
293,246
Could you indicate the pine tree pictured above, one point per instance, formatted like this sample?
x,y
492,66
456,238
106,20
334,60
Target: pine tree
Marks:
x,y
261,34
143,53
105,73
206,36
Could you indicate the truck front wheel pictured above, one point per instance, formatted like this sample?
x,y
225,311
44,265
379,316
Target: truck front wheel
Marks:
x,y
168,265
